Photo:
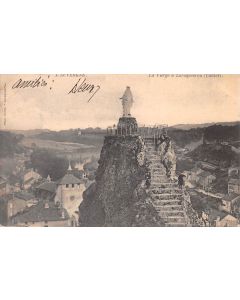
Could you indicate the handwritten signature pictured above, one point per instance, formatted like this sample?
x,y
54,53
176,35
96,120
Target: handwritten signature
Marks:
x,y
82,86
22,84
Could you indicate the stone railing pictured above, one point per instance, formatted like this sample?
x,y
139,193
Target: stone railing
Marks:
x,y
146,132
152,132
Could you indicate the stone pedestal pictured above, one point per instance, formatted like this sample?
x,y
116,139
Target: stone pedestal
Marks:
x,y
127,126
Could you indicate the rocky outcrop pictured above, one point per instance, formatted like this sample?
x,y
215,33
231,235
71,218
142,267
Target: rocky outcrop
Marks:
x,y
191,214
167,155
119,197
135,183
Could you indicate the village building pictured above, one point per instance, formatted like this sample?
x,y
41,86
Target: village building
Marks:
x,y
20,160
14,183
46,190
44,214
227,221
205,179
234,186
69,195
28,178
193,174
207,166
66,193
234,172
197,176
14,203
229,202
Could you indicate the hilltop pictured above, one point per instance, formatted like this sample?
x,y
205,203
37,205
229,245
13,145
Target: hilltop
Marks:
x,y
203,125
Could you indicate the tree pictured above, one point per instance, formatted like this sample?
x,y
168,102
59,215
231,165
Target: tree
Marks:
x,y
47,163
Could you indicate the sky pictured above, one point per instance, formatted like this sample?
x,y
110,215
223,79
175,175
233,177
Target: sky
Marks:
x,y
54,103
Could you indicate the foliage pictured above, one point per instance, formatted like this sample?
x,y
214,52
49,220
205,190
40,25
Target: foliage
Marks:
x,y
220,155
9,143
222,133
184,137
47,163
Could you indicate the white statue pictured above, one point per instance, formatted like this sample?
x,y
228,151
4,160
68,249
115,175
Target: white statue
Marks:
x,y
127,102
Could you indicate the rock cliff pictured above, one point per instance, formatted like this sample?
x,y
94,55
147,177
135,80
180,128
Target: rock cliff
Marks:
x,y
119,195
135,183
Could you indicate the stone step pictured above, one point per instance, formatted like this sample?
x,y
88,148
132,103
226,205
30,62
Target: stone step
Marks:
x,y
167,188
169,183
157,192
170,191
167,215
157,172
157,166
168,208
156,187
156,182
163,185
167,203
157,199
148,142
151,151
174,219
169,199
167,192
159,175
153,159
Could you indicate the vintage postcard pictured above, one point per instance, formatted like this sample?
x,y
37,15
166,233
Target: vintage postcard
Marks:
x,y
120,150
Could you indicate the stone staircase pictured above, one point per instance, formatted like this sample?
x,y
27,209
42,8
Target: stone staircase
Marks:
x,y
166,197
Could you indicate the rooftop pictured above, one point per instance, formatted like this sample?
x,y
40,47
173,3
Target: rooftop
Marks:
x,y
6,198
205,174
228,216
24,195
234,181
215,213
230,197
15,196
49,186
39,213
68,179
